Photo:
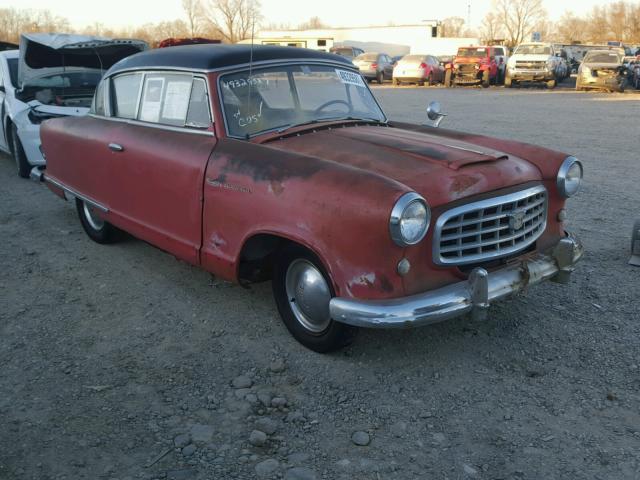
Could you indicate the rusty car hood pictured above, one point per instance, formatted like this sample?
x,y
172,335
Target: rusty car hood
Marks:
x,y
441,169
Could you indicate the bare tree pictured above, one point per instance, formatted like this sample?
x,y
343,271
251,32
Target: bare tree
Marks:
x,y
571,28
314,23
193,12
232,19
491,28
452,27
519,18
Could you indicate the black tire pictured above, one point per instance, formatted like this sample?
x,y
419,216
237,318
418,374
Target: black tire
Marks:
x,y
447,78
22,164
429,81
486,80
97,229
551,84
336,335
622,86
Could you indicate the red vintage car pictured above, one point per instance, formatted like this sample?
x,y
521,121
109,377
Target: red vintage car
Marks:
x,y
272,163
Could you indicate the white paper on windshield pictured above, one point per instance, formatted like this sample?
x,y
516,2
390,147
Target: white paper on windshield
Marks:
x,y
150,111
350,78
176,100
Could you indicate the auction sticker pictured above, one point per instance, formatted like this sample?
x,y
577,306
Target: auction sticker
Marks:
x,y
350,78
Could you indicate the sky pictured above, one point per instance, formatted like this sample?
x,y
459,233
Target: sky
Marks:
x,y
337,13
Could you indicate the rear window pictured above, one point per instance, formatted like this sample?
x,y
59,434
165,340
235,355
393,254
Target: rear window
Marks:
x,y
367,57
413,58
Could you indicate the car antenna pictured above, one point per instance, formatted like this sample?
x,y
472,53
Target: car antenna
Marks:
x,y
253,30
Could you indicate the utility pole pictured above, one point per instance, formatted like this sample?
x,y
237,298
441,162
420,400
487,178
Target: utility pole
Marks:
x,y
469,14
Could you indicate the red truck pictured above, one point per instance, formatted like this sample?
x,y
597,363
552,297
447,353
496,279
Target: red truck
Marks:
x,y
475,66
278,164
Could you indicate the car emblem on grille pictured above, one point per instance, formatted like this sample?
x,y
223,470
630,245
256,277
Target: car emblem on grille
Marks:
x,y
516,220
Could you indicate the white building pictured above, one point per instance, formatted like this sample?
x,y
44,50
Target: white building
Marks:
x,y
393,40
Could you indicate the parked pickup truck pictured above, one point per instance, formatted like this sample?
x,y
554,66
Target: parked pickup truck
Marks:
x,y
534,63
275,163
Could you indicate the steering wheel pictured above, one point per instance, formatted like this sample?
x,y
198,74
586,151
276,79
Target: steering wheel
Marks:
x,y
333,102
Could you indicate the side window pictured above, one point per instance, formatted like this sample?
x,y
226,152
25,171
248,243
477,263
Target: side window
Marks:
x,y
165,99
198,115
126,92
97,106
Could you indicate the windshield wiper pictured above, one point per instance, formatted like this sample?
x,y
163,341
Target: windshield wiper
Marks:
x,y
328,119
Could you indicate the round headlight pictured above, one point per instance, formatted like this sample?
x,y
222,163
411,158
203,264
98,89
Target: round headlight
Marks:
x,y
409,220
569,177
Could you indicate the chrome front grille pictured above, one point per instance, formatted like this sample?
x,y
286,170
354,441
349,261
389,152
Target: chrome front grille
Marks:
x,y
489,229
531,65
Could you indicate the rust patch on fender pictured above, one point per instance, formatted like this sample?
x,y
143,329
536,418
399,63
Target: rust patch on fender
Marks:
x,y
462,183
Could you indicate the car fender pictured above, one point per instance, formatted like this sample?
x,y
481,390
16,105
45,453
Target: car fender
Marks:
x,y
338,212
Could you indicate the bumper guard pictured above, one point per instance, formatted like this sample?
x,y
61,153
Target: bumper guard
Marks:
x,y
472,296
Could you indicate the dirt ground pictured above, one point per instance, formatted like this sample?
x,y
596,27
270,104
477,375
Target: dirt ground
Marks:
x,y
119,362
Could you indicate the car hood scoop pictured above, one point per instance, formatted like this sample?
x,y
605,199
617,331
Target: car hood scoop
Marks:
x,y
453,154
438,167
47,54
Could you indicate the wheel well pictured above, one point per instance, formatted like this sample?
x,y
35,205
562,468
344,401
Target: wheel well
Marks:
x,y
259,254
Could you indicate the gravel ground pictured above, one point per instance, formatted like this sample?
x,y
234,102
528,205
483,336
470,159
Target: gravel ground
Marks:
x,y
120,362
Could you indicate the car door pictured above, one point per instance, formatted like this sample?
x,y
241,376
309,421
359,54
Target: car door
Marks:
x,y
387,66
3,106
159,159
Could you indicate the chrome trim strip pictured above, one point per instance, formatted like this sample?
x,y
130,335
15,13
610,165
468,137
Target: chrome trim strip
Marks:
x,y
488,203
170,128
71,191
471,296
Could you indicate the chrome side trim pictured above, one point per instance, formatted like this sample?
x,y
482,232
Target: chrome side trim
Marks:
x,y
482,204
471,296
71,191
170,128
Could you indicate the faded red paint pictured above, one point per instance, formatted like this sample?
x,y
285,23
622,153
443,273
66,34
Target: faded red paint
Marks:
x,y
331,188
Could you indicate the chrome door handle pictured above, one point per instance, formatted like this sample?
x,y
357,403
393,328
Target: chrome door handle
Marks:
x,y
114,147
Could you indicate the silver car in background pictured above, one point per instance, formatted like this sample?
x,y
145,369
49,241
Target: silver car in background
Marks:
x,y
420,69
375,66
603,69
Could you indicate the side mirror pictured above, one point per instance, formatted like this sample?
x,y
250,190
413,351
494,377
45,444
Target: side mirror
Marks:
x,y
434,113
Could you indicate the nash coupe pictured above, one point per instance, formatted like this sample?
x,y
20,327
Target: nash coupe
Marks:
x,y
273,163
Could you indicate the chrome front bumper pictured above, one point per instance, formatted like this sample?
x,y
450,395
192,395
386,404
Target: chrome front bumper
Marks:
x,y
471,296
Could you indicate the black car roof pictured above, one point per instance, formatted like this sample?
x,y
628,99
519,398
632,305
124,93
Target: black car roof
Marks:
x,y
214,57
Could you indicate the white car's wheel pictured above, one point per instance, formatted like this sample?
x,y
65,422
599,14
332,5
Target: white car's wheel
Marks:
x,y
20,157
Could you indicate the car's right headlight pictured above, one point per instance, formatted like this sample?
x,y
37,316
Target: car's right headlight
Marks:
x,y
570,176
410,219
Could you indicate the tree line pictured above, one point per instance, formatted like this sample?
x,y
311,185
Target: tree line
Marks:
x,y
515,21
512,21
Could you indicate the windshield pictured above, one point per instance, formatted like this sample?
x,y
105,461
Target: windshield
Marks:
x,y
413,58
533,50
278,98
13,71
472,52
345,52
603,57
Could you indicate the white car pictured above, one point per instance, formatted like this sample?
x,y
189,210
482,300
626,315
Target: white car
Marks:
x,y
534,63
51,75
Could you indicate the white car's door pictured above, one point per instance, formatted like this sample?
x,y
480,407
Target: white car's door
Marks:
x,y
4,73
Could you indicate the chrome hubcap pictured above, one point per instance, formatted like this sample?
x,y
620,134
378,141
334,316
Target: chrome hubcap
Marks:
x,y
96,222
308,295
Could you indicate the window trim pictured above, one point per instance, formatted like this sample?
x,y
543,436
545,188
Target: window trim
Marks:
x,y
110,111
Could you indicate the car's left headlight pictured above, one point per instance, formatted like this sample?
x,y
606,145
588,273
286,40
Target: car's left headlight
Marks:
x,y
410,219
570,176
